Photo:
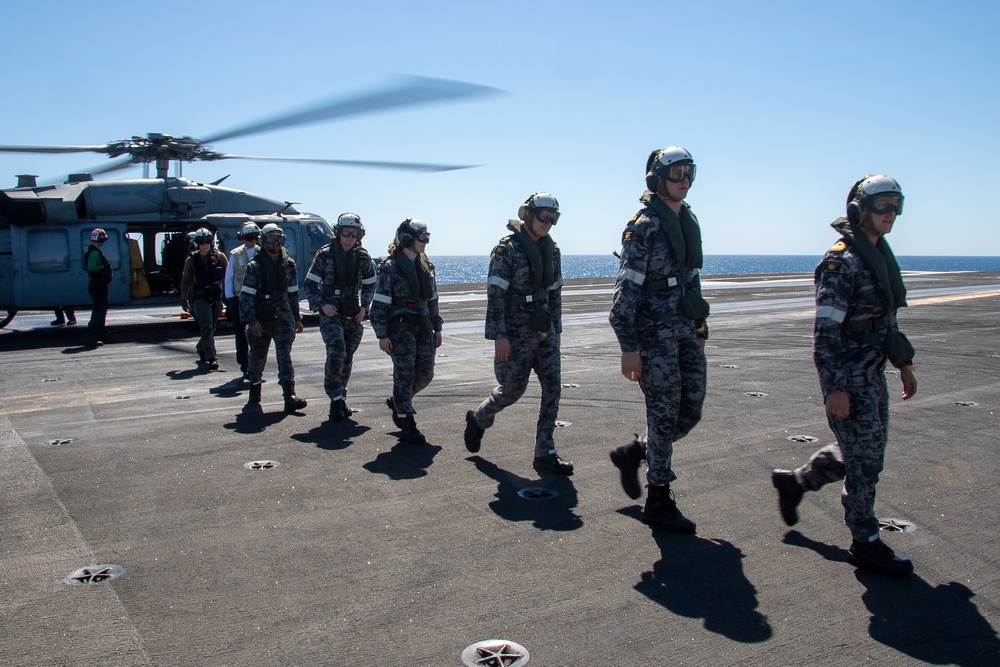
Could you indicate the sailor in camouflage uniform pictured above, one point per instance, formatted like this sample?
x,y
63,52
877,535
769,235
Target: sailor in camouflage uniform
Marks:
x,y
340,285
407,322
659,317
858,290
269,304
524,319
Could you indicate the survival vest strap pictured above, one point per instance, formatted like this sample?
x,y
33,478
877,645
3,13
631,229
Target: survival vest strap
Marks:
x,y
683,232
273,275
879,258
541,295
874,324
540,256
417,275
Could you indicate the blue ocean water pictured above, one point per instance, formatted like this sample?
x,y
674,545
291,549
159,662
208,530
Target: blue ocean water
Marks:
x,y
453,269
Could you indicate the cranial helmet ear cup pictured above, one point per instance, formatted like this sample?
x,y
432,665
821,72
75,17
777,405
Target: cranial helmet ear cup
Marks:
x,y
652,181
854,212
523,212
853,207
403,237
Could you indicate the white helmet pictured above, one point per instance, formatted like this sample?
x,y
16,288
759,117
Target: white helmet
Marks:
x,y
202,235
659,164
349,221
249,229
539,200
878,193
272,234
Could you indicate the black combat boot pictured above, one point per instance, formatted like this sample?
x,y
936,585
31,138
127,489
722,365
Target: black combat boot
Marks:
x,y
627,459
790,493
473,433
337,410
395,417
254,393
552,462
292,402
410,432
661,510
877,556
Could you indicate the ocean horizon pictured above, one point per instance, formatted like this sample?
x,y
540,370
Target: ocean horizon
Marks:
x,y
456,269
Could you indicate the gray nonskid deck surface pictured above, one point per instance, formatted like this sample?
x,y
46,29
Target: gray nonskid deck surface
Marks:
x,y
358,550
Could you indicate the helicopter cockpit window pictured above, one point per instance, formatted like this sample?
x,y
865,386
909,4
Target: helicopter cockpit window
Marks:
x,y
111,248
48,250
319,236
290,242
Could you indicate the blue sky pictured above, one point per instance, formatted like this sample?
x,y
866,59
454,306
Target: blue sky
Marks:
x,y
783,104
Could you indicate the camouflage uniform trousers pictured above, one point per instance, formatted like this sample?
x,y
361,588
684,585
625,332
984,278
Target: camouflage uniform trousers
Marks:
x,y
342,338
282,331
206,314
529,351
239,332
674,376
412,361
857,458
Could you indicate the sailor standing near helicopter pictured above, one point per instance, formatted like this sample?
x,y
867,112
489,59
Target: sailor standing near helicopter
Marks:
x,y
240,256
340,285
100,273
269,304
201,293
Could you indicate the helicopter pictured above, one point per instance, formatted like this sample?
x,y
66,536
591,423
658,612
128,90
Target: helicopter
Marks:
x,y
44,229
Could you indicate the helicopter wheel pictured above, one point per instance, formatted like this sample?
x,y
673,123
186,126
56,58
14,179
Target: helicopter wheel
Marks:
x,y
6,320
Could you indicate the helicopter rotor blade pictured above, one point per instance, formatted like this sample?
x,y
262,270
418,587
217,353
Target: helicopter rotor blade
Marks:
x,y
53,149
124,163
374,164
411,91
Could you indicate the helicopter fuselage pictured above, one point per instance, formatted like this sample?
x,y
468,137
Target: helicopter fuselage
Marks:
x,y
45,230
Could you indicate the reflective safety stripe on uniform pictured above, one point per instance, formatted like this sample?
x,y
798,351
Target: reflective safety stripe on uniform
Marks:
x,y
498,282
368,281
632,275
313,277
829,312
383,298
246,289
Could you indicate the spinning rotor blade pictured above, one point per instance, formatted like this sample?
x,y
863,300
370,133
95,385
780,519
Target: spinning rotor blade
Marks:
x,y
124,163
53,149
412,91
403,166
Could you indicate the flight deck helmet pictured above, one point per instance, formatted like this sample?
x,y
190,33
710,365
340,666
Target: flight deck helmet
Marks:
x,y
411,230
669,163
272,235
349,221
202,235
877,193
538,202
98,235
249,230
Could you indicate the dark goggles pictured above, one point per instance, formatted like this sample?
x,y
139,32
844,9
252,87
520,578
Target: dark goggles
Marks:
x,y
547,216
882,204
419,231
274,237
349,233
676,173
203,239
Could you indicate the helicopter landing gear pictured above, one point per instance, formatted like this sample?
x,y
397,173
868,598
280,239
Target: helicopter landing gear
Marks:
x,y
6,320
